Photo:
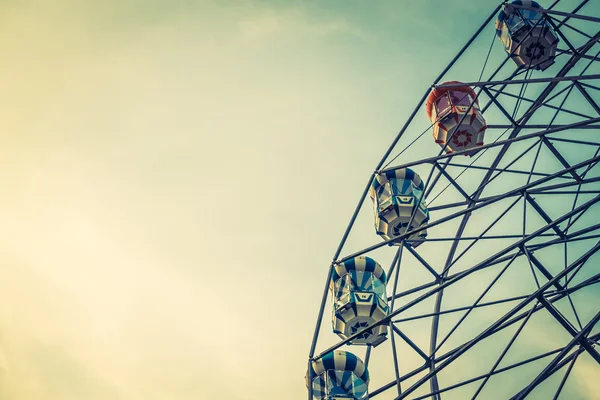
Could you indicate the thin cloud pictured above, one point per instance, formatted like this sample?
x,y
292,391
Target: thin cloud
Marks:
x,y
294,22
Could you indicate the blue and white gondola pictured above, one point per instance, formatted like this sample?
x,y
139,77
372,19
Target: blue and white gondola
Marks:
x,y
339,375
396,195
360,300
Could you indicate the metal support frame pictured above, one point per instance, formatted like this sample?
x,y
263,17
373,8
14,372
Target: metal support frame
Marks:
x,y
573,180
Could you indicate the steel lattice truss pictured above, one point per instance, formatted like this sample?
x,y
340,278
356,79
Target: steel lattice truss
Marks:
x,y
503,298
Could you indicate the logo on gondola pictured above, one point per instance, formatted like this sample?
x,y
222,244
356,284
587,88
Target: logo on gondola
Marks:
x,y
462,138
360,326
535,51
364,297
405,199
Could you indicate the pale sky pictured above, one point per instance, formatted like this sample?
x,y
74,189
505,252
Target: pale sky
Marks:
x,y
175,178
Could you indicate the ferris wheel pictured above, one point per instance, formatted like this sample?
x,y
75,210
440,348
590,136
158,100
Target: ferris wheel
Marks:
x,y
480,278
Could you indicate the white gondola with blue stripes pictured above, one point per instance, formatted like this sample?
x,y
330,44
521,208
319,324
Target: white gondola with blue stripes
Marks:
x,y
358,287
396,195
339,375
